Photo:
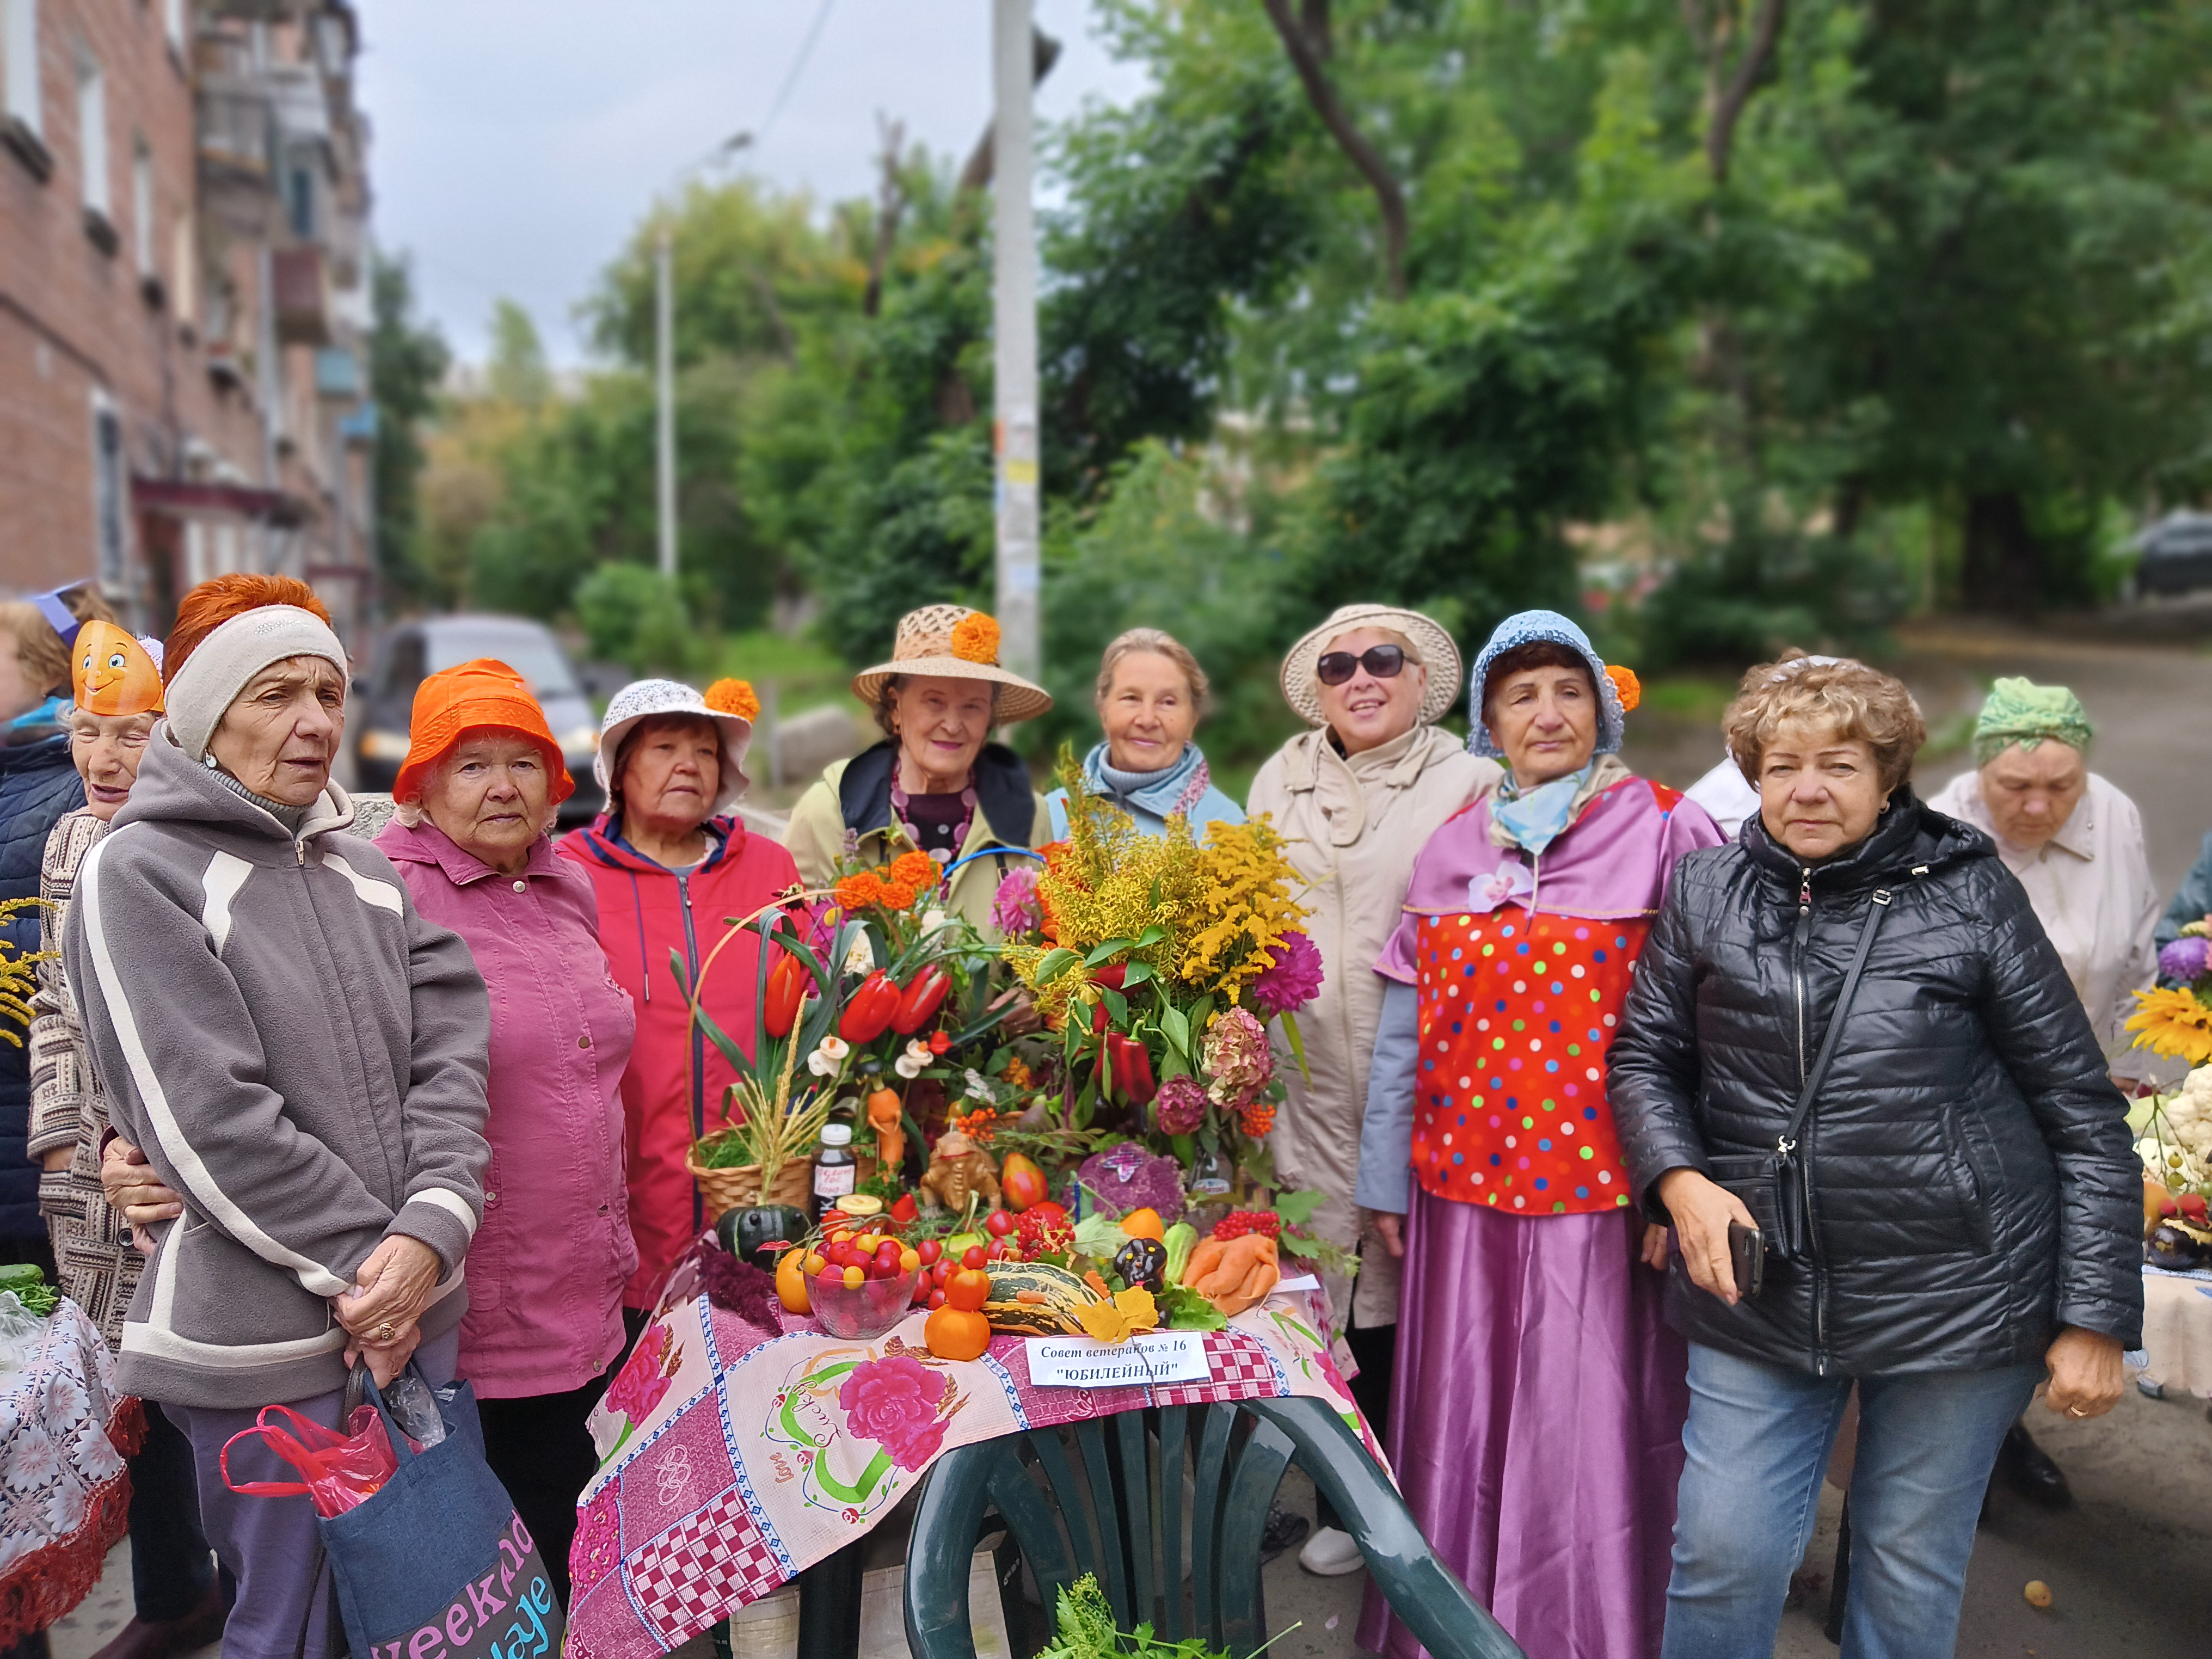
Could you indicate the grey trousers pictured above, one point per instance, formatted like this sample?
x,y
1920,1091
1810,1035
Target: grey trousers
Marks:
x,y
285,1608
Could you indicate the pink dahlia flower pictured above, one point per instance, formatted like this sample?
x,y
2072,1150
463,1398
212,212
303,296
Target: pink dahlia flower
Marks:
x,y
1294,981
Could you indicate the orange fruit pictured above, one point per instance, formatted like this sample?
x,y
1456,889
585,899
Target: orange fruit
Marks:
x,y
791,1282
1142,1224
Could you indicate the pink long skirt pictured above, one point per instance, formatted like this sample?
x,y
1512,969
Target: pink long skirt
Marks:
x,y
1536,1426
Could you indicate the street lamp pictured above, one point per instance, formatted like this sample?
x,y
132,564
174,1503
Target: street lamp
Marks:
x,y
1013,307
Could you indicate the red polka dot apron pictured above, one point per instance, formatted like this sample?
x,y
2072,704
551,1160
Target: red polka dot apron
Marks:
x,y
1517,1016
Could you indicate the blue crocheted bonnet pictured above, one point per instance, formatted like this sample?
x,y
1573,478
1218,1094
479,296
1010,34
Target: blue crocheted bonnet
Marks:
x,y
1525,629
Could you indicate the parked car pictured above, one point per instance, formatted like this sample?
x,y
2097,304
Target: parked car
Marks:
x,y
409,652
2176,554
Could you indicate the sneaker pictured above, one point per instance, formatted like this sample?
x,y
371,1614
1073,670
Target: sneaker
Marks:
x,y
1330,1554
1282,1529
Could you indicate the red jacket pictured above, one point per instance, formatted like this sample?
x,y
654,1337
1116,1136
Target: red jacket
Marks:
x,y
677,1083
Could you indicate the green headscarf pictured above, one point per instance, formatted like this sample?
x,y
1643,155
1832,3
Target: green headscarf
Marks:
x,y
2020,711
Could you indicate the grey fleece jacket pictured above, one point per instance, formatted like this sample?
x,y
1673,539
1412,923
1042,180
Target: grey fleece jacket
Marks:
x,y
302,1057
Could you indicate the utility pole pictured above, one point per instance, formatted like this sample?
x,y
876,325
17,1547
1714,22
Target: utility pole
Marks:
x,y
663,356
1014,305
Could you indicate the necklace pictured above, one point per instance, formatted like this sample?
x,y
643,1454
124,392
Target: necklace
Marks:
x,y
902,816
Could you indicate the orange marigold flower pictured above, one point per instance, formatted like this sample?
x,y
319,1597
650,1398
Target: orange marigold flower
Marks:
x,y
859,892
1626,685
1017,1073
975,638
1258,1117
897,895
916,870
734,697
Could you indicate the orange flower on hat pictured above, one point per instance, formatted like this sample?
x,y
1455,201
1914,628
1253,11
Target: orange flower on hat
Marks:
x,y
859,892
1626,686
734,697
975,638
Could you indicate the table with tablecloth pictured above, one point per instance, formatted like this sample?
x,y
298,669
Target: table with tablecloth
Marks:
x,y
736,1457
64,1492
2177,1350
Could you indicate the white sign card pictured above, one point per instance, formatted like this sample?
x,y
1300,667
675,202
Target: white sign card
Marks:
x,y
1084,1362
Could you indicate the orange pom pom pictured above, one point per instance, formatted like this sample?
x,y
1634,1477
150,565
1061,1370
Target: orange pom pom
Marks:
x,y
734,697
916,870
1626,686
975,638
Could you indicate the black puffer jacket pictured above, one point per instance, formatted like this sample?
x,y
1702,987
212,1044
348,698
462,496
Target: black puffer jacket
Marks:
x,y
1973,1184
37,784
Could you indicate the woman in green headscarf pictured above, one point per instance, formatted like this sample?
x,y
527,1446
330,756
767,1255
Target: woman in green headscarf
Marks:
x,y
2076,844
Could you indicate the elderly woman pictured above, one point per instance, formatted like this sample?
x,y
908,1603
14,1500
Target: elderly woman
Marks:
x,y
934,784
2076,844
1356,797
117,698
477,795
1151,692
671,860
1536,1413
300,1054
1849,1032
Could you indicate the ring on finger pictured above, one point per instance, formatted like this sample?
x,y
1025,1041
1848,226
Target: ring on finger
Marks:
x,y
384,1332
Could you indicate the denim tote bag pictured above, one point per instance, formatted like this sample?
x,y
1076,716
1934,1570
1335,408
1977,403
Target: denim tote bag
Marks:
x,y
437,1565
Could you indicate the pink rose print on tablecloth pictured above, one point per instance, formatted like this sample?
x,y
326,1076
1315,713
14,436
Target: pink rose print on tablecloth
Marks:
x,y
597,1548
641,1384
894,1400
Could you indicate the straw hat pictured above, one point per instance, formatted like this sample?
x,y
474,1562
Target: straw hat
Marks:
x,y
951,641
1302,689
642,698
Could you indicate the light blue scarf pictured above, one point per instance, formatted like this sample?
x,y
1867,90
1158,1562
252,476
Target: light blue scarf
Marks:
x,y
1537,817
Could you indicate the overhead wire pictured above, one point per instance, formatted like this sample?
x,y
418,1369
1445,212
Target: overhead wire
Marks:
x,y
798,67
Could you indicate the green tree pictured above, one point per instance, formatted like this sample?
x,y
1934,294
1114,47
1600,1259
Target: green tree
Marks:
x,y
407,358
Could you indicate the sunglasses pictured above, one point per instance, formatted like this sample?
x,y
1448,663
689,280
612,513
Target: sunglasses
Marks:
x,y
1385,662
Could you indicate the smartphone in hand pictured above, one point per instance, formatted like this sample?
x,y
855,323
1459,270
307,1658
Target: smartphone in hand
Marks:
x,y
1747,1256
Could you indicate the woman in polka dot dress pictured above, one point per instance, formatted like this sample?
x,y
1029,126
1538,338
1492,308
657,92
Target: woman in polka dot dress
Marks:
x,y
1536,1420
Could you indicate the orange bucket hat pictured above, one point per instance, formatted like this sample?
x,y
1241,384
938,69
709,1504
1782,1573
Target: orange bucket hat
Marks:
x,y
476,695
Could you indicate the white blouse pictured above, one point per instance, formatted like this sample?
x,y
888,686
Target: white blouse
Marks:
x,y
2090,884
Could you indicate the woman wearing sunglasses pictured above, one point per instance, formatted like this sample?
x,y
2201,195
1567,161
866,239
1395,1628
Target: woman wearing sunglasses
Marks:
x,y
1539,1400
1356,798
1150,693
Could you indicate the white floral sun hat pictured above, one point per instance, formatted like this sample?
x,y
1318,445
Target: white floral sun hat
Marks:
x,y
642,698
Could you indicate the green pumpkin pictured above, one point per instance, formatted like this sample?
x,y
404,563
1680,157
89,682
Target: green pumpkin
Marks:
x,y
747,1234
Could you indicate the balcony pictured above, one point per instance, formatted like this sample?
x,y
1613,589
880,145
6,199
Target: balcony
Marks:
x,y
301,290
337,375
236,133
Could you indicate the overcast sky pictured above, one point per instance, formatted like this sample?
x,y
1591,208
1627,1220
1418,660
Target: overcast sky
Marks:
x,y
517,143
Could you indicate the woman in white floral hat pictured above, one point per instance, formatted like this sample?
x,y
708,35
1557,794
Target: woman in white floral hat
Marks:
x,y
935,783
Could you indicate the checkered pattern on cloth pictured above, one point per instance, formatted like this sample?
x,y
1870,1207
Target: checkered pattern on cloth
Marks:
x,y
701,1568
1242,1369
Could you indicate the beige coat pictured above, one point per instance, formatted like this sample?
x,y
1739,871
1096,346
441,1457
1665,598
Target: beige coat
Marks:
x,y
1355,826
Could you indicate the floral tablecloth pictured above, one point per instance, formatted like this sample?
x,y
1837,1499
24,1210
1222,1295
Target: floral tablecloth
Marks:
x,y
64,1493
737,1457
2177,1350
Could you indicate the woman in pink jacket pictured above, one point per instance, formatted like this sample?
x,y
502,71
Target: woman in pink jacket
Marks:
x,y
547,1266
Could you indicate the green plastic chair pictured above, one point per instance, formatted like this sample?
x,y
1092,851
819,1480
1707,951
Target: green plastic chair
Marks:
x,y
1118,1485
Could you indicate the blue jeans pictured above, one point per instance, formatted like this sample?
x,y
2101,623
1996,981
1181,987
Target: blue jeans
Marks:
x,y
1759,1439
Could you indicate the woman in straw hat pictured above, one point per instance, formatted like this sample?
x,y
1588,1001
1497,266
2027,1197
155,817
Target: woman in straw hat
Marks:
x,y
1537,1425
933,785
1356,797
670,857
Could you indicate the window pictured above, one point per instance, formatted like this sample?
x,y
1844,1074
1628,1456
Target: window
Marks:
x,y
185,268
92,133
142,208
19,63
300,203
107,487
173,24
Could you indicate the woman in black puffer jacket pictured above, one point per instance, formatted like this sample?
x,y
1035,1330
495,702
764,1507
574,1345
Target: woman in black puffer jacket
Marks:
x,y
1971,1213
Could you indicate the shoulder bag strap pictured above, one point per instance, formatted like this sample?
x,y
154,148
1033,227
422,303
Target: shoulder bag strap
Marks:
x,y
1787,1144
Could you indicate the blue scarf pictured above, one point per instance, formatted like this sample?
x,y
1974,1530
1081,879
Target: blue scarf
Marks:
x,y
1537,817
1178,788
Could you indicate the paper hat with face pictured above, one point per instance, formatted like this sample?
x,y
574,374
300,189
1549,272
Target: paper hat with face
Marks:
x,y
113,673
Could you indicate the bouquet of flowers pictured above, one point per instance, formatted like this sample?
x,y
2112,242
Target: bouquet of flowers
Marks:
x,y
1163,964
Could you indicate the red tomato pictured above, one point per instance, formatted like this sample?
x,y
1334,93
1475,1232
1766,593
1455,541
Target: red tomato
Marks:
x,y
973,1256
886,1262
999,1224
969,1289
929,1249
936,1300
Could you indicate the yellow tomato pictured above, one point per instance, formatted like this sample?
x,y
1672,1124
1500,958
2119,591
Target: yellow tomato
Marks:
x,y
791,1282
854,1278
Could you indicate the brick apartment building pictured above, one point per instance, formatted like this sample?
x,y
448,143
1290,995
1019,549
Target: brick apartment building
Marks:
x,y
183,300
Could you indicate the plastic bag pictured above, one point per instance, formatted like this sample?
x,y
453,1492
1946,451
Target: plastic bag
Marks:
x,y
21,1331
339,1470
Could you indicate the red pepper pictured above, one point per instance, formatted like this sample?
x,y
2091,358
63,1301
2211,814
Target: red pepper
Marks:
x,y
1131,1069
788,981
868,1011
920,1000
1115,978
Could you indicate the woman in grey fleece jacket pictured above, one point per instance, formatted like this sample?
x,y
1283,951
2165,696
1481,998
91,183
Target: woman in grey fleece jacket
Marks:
x,y
302,1057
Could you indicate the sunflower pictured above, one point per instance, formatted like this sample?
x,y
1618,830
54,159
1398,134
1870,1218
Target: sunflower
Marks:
x,y
2173,1022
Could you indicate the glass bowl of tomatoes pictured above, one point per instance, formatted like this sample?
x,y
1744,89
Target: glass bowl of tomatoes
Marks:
x,y
858,1288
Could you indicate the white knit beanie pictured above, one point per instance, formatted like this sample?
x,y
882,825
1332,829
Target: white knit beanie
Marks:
x,y
230,655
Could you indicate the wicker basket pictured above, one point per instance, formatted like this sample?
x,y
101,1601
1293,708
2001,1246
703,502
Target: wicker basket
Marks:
x,y
739,1189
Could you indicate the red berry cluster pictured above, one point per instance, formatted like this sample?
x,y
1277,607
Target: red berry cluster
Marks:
x,y
1237,1223
1044,1230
